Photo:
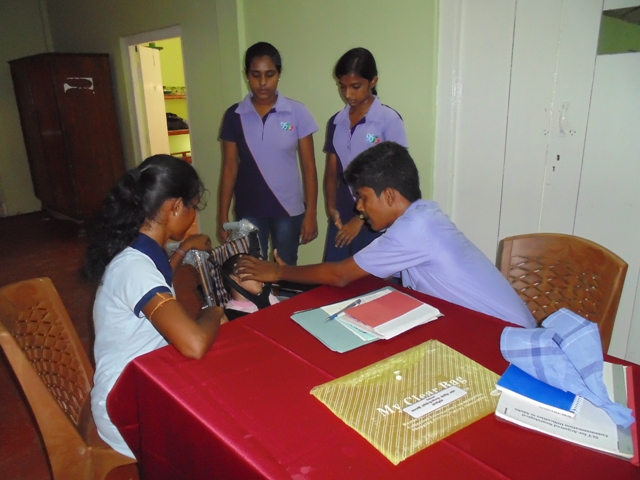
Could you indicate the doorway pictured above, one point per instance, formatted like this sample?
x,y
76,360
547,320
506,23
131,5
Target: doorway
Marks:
x,y
148,79
158,84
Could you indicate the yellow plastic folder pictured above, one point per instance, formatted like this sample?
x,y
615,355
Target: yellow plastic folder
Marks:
x,y
408,401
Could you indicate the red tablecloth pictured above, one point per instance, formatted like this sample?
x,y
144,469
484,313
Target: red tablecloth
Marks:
x,y
244,411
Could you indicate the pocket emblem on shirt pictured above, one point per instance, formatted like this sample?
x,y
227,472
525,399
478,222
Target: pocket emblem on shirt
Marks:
x,y
371,138
286,126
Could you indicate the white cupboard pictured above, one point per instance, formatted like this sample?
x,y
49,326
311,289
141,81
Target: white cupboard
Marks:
x,y
515,149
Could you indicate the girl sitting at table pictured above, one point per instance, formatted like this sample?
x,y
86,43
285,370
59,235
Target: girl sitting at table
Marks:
x,y
247,296
135,309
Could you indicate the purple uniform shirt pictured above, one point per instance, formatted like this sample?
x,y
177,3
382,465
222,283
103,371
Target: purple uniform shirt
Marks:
x,y
435,258
381,123
268,182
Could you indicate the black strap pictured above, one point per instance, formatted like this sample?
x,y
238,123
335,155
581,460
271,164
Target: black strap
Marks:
x,y
232,314
260,301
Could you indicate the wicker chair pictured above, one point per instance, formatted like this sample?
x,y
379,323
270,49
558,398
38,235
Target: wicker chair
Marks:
x,y
53,369
551,271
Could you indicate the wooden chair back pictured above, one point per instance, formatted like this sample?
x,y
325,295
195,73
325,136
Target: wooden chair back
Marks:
x,y
550,271
53,369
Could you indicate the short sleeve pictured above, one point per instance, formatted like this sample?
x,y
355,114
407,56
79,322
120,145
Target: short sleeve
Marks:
x,y
399,248
330,132
231,125
394,129
306,125
140,282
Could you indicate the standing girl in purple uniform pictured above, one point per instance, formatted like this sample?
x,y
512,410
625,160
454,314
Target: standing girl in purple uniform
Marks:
x,y
363,122
262,138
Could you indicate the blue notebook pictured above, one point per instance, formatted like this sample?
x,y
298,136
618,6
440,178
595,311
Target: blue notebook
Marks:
x,y
516,380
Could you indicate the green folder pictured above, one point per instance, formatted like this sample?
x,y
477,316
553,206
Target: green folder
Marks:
x,y
335,335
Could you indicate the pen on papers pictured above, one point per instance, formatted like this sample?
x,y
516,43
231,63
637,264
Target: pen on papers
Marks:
x,y
342,310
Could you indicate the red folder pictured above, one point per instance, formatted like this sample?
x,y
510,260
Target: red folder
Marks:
x,y
385,308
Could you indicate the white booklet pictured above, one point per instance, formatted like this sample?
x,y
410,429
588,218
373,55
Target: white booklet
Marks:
x,y
591,427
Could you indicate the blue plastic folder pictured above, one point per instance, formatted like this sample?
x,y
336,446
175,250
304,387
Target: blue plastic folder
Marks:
x,y
336,336
518,381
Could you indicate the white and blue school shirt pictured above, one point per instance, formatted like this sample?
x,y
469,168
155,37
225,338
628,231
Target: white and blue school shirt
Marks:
x,y
122,331
268,183
435,258
380,124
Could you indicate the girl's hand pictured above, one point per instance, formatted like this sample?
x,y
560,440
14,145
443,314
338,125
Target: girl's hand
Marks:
x,y
196,242
222,234
309,230
335,218
348,232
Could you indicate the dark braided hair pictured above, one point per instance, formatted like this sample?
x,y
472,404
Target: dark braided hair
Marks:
x,y
135,199
262,49
357,61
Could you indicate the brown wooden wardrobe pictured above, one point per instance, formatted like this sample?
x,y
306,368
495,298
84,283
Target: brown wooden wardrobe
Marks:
x,y
70,130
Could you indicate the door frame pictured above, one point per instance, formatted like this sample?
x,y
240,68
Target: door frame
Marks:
x,y
132,83
447,102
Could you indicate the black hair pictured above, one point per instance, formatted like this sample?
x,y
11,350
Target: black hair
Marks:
x,y
386,165
262,49
135,199
229,267
358,61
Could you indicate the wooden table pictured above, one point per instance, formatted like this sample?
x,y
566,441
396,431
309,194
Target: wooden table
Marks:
x,y
244,411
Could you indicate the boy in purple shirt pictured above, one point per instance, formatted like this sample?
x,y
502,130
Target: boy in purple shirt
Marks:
x,y
419,242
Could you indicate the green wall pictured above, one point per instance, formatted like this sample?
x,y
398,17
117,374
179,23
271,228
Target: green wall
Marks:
x,y
618,36
97,26
310,35
171,64
25,34
172,68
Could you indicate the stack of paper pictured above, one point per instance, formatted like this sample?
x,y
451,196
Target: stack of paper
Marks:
x,y
390,314
539,394
342,334
590,427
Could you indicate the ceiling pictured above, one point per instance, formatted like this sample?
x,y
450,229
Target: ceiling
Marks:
x,y
630,15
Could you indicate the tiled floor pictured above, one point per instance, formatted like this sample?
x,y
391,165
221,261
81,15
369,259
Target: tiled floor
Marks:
x,y
34,245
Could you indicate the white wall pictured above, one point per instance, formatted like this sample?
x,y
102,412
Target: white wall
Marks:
x,y
608,210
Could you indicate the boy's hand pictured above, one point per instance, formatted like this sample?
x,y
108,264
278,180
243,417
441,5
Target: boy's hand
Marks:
x,y
277,258
260,270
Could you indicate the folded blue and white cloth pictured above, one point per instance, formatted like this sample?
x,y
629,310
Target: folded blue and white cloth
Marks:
x,y
566,353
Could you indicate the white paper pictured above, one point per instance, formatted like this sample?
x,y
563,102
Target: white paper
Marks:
x,y
591,426
434,402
